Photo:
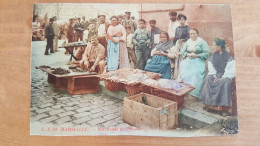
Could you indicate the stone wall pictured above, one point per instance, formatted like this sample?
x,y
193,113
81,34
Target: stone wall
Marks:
x,y
211,20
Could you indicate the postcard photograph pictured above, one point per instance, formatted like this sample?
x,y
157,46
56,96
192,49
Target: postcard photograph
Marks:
x,y
146,69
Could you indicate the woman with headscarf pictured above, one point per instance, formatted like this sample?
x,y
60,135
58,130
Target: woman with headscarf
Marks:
x,y
160,63
192,68
117,56
216,90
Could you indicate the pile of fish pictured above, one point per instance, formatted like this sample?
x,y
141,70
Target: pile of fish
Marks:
x,y
151,82
137,77
60,71
170,84
43,66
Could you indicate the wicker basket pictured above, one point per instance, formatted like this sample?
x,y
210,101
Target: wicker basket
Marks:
x,y
113,86
133,89
169,95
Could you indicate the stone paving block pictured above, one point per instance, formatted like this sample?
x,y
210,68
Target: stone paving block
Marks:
x,y
73,103
83,109
123,125
40,116
47,100
49,119
39,111
109,102
46,105
58,106
96,106
96,110
73,99
65,101
84,114
97,115
64,98
67,124
66,114
118,114
98,102
54,112
110,111
63,120
111,116
110,123
107,107
119,119
32,114
96,121
81,120
33,108
69,108
85,104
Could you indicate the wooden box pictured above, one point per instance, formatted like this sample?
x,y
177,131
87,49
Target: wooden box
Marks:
x,y
58,81
157,113
83,84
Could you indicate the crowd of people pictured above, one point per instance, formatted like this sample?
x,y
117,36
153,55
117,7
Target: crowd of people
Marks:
x,y
180,53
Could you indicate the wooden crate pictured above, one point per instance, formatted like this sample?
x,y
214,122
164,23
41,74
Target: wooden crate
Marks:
x,y
59,82
158,113
83,84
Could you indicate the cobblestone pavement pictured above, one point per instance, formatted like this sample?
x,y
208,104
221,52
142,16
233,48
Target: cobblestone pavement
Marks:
x,y
55,107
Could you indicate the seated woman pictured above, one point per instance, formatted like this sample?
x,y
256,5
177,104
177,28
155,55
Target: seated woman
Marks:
x,y
216,90
192,68
160,63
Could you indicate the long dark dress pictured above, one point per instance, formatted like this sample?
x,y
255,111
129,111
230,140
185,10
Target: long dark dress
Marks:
x,y
158,63
218,93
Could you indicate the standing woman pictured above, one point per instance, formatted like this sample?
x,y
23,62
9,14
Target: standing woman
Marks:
x,y
192,68
182,34
216,90
116,48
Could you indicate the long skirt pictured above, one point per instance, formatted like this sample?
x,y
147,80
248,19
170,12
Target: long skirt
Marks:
x,y
123,56
112,58
193,72
159,64
216,93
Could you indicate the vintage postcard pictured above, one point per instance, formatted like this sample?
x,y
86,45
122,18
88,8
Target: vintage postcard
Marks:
x,y
132,69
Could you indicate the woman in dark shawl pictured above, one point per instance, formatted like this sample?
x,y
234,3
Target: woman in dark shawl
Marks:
x,y
160,63
216,89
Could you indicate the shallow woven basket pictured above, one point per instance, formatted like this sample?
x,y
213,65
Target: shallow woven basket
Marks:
x,y
114,86
137,88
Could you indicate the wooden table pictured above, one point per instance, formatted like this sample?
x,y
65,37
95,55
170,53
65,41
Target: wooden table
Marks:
x,y
73,44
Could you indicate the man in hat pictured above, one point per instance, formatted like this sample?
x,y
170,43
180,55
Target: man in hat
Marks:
x,y
102,30
79,29
94,56
129,21
70,34
155,34
56,30
173,24
49,35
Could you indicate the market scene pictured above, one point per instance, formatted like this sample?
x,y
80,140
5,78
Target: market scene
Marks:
x,y
125,69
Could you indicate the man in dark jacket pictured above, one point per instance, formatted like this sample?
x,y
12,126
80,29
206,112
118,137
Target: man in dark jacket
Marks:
x,y
49,35
79,29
